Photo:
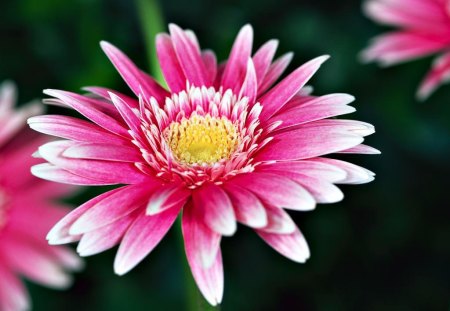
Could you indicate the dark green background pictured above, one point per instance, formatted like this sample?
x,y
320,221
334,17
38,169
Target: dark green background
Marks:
x,y
385,247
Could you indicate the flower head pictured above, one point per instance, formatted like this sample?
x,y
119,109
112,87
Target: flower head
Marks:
x,y
222,144
424,30
27,211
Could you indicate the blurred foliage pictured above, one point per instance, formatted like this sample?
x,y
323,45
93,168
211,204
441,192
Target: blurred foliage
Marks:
x,y
385,247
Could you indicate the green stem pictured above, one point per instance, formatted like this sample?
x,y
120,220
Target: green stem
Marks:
x,y
195,300
152,23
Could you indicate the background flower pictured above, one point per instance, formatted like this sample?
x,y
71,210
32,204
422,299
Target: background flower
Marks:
x,y
424,30
27,211
372,253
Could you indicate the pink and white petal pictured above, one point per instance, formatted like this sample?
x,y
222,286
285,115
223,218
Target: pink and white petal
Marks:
x,y
127,113
13,294
250,85
104,93
104,238
279,95
210,60
361,149
74,129
96,151
263,59
36,265
292,246
248,209
113,207
402,46
170,66
216,207
439,74
108,172
81,104
167,196
274,73
355,174
59,234
236,66
322,190
189,57
139,82
210,280
306,143
142,237
53,173
308,167
278,221
203,243
276,190
8,96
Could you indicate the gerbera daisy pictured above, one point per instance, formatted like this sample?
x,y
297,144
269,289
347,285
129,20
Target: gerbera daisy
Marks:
x,y
27,211
222,144
424,30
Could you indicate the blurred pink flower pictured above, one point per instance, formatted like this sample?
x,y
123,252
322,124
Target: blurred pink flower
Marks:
x,y
27,211
424,30
222,144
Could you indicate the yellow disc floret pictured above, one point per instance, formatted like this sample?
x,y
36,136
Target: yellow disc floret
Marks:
x,y
202,139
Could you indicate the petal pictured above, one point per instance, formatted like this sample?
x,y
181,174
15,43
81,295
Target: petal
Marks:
x,y
209,280
167,196
139,82
250,84
278,221
170,66
203,243
279,95
248,209
210,60
113,207
263,59
13,294
216,207
276,190
236,65
292,245
50,172
189,57
274,73
439,74
355,174
95,151
142,237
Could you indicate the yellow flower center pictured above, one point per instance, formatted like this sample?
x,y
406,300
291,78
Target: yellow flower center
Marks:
x,y
202,139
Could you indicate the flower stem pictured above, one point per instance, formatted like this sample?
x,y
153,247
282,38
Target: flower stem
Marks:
x,y
194,299
152,23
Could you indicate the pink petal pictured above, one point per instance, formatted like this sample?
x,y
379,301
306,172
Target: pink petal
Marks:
x,y
247,207
50,172
293,245
139,82
276,190
278,221
210,60
81,104
189,57
204,256
263,59
107,152
306,143
439,74
170,66
74,129
361,149
128,115
113,207
236,65
355,174
274,73
13,294
166,197
217,208
279,95
203,242
104,238
59,234
250,84
142,237
105,94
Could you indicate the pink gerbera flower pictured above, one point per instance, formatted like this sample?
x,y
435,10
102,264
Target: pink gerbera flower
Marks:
x,y
425,30
27,211
223,145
